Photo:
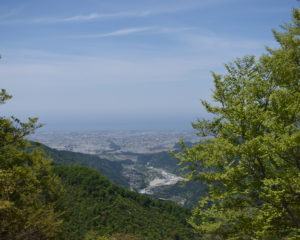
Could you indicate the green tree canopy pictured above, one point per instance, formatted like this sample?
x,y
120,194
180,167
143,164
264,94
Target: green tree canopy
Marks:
x,y
250,158
28,190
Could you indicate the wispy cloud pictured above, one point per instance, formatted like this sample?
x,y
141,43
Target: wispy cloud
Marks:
x,y
90,17
94,16
85,17
128,31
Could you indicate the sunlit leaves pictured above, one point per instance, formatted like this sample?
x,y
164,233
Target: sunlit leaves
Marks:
x,y
251,162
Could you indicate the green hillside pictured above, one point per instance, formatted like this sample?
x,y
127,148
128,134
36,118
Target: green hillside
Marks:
x,y
92,203
111,170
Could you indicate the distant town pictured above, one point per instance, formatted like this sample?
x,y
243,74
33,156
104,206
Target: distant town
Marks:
x,y
99,142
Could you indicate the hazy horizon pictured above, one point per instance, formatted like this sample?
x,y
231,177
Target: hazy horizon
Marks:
x,y
125,65
113,124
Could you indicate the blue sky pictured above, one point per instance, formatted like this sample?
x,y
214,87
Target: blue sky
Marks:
x,y
125,64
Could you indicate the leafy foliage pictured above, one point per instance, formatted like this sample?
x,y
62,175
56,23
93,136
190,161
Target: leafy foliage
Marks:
x,y
28,189
251,164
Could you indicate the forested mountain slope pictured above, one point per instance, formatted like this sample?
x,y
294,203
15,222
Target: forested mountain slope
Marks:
x,y
92,203
111,170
